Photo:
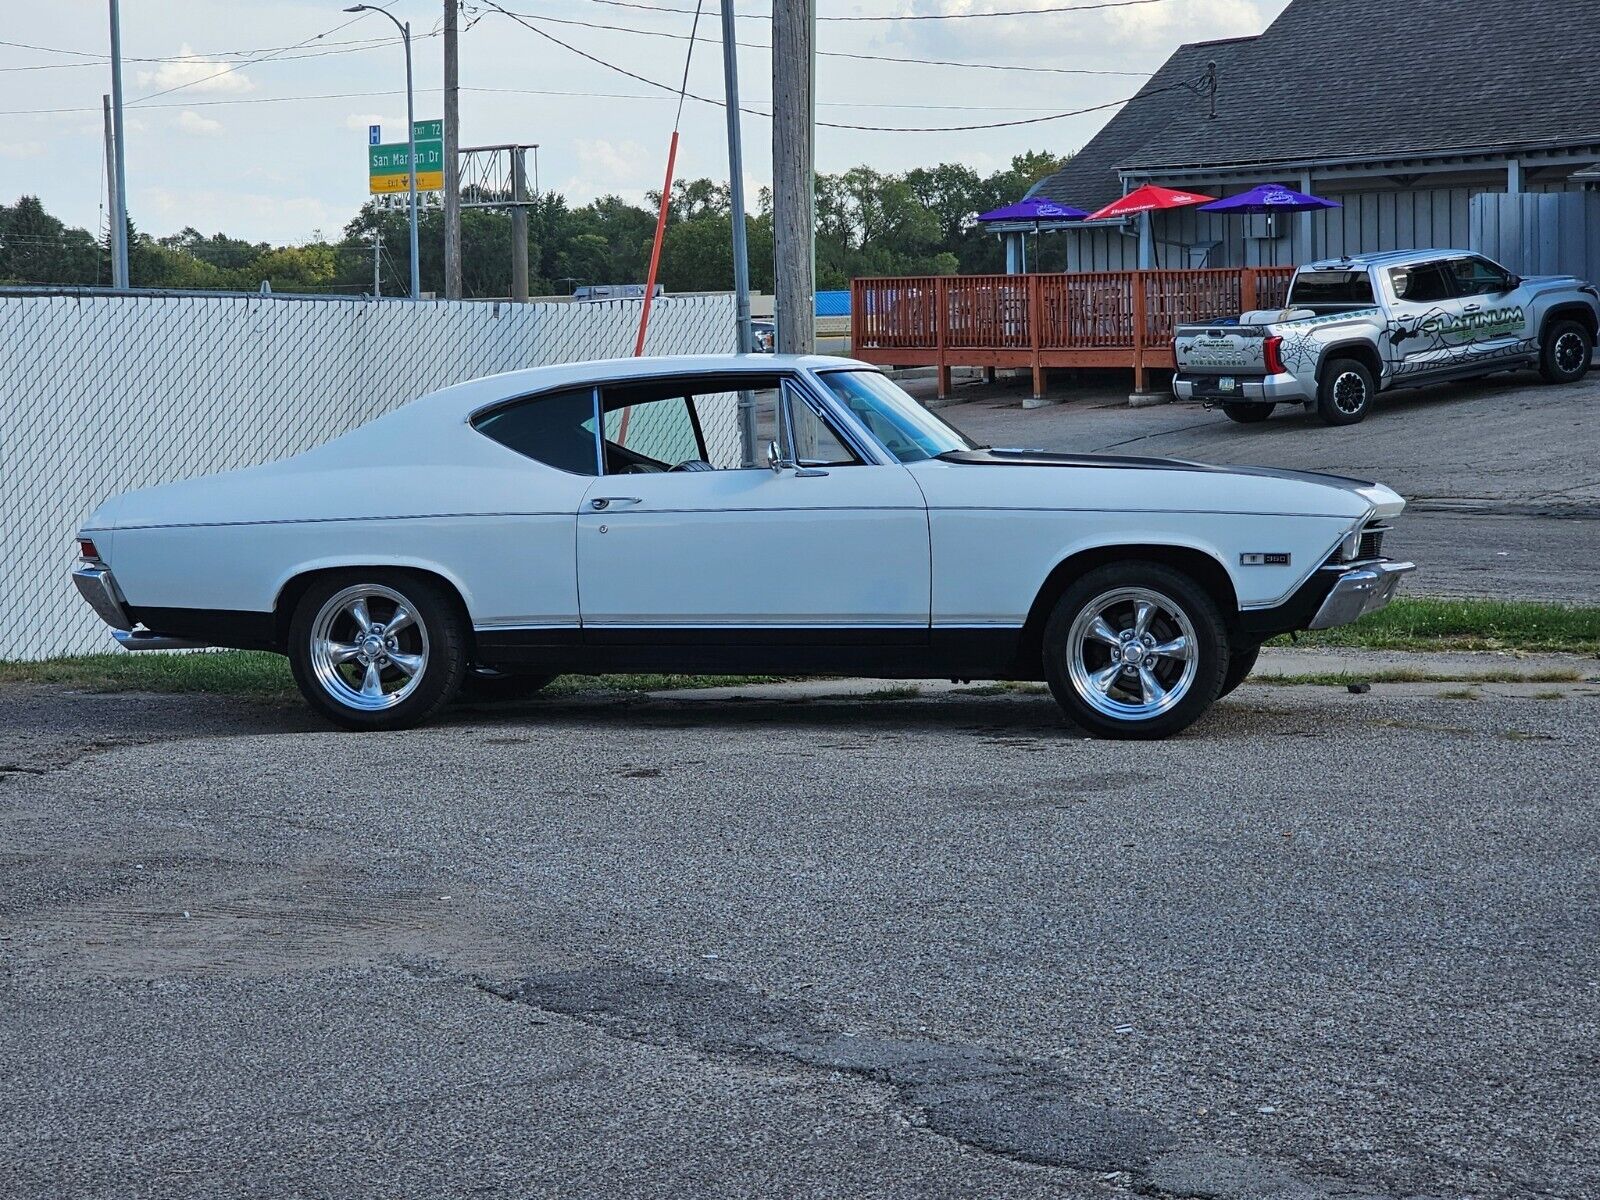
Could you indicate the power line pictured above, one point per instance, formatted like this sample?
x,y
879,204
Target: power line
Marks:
x,y
353,46
924,62
1092,6
550,37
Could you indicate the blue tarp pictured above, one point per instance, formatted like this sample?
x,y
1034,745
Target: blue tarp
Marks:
x,y
833,304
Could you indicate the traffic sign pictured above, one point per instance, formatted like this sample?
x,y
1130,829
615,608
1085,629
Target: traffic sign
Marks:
x,y
374,134
389,164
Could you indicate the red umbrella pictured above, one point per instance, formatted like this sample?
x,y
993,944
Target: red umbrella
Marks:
x,y
1147,199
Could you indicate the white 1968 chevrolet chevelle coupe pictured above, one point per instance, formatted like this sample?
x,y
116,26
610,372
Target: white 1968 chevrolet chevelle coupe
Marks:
x,y
716,514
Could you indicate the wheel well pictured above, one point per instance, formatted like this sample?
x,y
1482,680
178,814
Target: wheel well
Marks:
x,y
1197,564
1361,352
1581,313
290,594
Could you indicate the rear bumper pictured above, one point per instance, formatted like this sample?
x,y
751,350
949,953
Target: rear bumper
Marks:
x,y
96,585
1361,590
1249,389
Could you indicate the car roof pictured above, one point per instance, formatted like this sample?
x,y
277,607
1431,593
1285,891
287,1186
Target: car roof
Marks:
x,y
1388,258
461,400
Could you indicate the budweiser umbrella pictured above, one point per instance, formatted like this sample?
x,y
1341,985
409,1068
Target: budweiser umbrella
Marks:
x,y
1145,199
1141,202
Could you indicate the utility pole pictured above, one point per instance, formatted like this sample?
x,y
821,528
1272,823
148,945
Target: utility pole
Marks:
x,y
794,175
119,200
519,225
411,135
741,253
377,269
452,155
111,174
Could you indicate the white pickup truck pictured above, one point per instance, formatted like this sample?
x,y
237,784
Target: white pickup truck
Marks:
x,y
1352,327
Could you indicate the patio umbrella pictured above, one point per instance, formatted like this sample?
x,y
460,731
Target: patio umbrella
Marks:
x,y
1034,208
1143,201
1267,198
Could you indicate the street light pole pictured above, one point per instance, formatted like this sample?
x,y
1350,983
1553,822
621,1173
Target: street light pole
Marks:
x,y
411,135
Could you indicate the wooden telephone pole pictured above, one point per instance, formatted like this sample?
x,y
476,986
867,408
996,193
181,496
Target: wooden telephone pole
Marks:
x,y
794,77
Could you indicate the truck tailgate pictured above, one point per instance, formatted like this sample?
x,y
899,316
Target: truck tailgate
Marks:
x,y
1221,349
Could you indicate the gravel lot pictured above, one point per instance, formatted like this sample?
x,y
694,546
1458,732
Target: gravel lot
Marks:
x,y
1503,474
1324,945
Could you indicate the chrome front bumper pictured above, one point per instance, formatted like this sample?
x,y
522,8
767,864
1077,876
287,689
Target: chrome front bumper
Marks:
x,y
1360,589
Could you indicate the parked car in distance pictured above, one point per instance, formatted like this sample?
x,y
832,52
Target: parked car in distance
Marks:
x,y
763,335
760,513
1353,327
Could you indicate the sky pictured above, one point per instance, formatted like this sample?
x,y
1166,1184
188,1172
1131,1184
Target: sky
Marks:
x,y
275,150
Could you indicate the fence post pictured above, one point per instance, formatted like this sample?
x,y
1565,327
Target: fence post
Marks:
x,y
941,324
1247,289
858,290
1036,330
1138,278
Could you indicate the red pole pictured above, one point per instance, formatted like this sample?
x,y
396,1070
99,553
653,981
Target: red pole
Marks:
x,y
655,250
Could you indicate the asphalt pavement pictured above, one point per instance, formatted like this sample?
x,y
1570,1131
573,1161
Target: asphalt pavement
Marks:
x,y
1323,945
1502,474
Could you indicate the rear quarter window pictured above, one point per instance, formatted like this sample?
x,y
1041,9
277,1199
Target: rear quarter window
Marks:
x,y
556,429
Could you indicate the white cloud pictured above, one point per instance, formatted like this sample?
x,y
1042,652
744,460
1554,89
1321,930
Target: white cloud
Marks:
x,y
193,122
22,149
615,164
196,74
396,125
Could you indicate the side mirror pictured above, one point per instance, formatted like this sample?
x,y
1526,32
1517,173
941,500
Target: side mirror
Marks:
x,y
775,456
1513,282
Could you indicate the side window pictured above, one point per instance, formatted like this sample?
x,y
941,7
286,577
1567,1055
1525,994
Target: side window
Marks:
x,y
1424,283
556,429
1479,277
689,424
812,441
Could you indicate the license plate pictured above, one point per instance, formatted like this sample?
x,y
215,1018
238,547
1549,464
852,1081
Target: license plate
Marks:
x,y
1227,384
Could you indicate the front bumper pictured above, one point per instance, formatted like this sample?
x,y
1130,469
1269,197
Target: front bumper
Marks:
x,y
1360,589
1248,389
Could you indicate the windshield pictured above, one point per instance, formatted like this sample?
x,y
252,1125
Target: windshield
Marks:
x,y
907,430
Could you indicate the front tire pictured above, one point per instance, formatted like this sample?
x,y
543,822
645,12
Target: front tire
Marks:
x,y
1135,650
377,649
1240,663
1564,352
1246,414
1344,395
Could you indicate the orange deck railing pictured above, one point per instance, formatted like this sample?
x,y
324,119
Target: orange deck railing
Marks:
x,y
1090,319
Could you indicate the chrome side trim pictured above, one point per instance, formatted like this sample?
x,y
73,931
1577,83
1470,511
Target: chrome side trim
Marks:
x,y
94,584
1360,590
143,639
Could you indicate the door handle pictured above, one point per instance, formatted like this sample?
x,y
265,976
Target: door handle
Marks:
x,y
1471,308
601,503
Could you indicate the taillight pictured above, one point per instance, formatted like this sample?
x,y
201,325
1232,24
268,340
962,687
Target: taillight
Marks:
x,y
1271,352
86,549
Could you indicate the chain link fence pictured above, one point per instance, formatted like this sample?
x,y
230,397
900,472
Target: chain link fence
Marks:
x,y
102,393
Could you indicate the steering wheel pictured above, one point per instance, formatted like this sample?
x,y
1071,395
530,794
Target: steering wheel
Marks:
x,y
693,464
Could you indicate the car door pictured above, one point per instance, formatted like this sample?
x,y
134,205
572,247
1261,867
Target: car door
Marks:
x,y
1426,318
719,545
1494,322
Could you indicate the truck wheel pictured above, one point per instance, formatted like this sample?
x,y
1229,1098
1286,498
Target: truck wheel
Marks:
x,y
1240,663
1247,414
1135,650
1345,394
377,649
1564,352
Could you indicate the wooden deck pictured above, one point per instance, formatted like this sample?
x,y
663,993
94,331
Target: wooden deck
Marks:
x,y
1099,319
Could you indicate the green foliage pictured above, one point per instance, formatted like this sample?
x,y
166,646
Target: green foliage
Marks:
x,y
869,222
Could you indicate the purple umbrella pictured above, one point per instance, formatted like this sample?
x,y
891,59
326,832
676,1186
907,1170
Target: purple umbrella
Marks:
x,y
1034,208
1267,198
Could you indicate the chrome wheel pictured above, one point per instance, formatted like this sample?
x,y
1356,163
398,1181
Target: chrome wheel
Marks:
x,y
1569,352
1132,653
1350,393
368,649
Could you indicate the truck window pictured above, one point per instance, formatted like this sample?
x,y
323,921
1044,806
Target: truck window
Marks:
x,y
1423,283
1479,277
1331,289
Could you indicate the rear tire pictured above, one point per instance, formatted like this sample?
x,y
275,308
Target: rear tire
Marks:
x,y
378,649
1135,650
1246,414
1344,396
1240,663
1564,352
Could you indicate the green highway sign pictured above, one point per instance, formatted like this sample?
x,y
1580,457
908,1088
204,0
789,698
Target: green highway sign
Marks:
x,y
389,163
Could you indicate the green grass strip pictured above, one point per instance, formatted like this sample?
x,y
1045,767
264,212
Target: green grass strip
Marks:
x,y
1417,623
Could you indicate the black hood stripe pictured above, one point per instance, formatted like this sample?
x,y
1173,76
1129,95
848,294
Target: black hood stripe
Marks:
x,y
1129,462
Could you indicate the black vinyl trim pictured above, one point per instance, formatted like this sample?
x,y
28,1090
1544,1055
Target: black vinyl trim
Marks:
x,y
230,628
1042,458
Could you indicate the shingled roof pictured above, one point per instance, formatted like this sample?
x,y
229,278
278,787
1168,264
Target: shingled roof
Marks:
x,y
1359,80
